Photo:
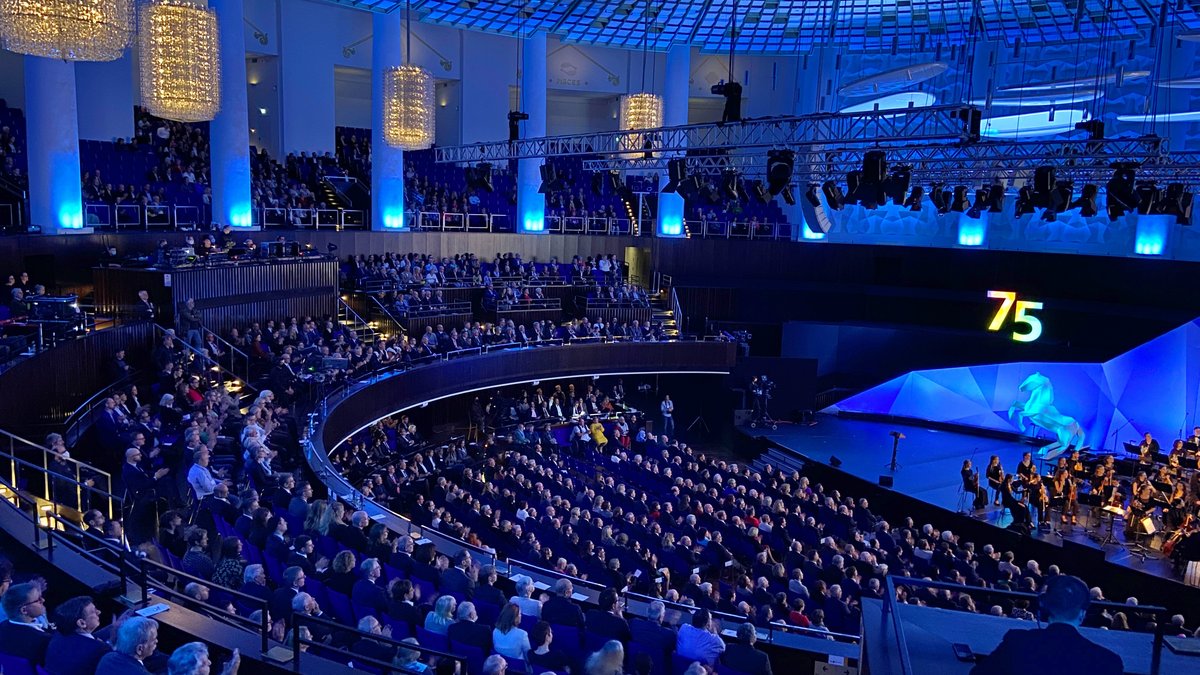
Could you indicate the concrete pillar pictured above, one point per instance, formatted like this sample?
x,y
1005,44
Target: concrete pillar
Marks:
x,y
387,163
531,205
52,128
675,113
229,132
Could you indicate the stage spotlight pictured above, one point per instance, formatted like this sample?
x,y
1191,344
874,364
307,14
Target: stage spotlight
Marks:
x,y
789,197
550,180
1024,201
1061,197
896,185
1120,191
940,198
676,174
780,164
732,91
514,127
1049,214
1147,197
834,196
760,191
959,202
866,186
1087,201
612,178
811,194
1044,181
729,183
996,198
1176,201
981,200
914,200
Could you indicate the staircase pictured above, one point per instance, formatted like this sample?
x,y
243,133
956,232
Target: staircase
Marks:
x,y
363,329
665,310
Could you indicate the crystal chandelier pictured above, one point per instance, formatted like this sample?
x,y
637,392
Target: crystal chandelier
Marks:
x,y
641,111
408,107
180,61
71,30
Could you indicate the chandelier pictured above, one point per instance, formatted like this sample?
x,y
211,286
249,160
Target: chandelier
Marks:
x,y
71,30
408,110
641,111
180,61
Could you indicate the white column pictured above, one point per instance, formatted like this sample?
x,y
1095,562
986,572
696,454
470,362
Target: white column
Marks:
x,y
52,129
675,113
229,132
531,205
387,163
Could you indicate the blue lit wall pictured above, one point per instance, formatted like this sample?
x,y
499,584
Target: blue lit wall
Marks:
x,y
55,194
1152,387
387,163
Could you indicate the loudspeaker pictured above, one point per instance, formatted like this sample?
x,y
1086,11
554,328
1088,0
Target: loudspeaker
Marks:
x,y
742,416
834,461
886,481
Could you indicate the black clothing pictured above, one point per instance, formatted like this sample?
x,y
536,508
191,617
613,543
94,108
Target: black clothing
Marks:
x,y
1058,648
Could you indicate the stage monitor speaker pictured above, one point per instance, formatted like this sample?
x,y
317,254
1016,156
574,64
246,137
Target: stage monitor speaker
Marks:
x,y
742,416
834,461
886,481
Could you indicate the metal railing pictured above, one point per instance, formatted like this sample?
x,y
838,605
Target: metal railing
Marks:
x,y
232,352
677,310
359,325
457,307
738,229
81,418
78,475
346,656
160,331
891,614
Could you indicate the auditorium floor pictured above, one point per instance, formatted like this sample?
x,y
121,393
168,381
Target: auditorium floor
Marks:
x,y
930,461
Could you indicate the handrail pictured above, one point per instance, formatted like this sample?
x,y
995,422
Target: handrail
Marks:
x,y
360,324
890,605
457,307
677,310
84,410
79,480
204,359
231,348
305,620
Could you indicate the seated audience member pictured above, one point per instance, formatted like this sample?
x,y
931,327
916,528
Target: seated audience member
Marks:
x,y
74,650
743,656
529,605
367,592
23,635
699,640
254,582
402,602
137,639
192,659
560,609
495,665
341,573
1057,648
407,658
442,616
606,620
508,638
373,649
541,656
486,590
608,660
651,631
467,630
281,600
457,579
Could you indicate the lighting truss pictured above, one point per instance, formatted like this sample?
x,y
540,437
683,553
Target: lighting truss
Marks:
x,y
945,124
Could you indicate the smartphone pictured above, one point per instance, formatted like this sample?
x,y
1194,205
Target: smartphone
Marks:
x,y
963,652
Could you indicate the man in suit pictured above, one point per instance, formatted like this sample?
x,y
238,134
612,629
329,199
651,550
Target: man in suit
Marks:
x,y
301,496
136,641
74,650
743,656
457,580
651,631
353,537
302,551
607,620
366,592
281,599
402,558
23,635
1063,605
466,631
254,583
276,544
142,491
560,609
486,591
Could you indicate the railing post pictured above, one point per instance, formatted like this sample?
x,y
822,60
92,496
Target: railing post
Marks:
x,y
265,628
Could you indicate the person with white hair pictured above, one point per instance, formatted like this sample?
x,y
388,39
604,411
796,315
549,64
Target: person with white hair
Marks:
x,y
495,665
192,659
137,639
652,631
529,605
371,648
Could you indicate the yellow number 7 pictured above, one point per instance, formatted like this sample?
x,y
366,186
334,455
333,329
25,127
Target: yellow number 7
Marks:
x,y
1009,297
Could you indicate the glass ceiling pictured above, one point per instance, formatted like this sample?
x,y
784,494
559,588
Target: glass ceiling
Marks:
x,y
788,26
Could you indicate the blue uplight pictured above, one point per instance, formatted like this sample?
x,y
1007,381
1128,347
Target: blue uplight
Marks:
x,y
972,231
671,228
533,223
393,220
239,216
1152,232
70,216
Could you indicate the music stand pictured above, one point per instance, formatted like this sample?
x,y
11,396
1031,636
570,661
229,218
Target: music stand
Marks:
x,y
1137,548
894,465
1109,538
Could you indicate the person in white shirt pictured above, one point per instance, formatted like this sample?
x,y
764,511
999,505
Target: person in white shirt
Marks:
x,y
200,477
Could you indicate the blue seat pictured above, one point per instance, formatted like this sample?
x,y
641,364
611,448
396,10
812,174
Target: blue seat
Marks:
x,y
339,605
516,665
567,637
680,664
433,640
360,611
487,613
400,629
14,665
658,657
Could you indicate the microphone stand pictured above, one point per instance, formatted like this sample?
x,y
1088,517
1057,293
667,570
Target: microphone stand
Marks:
x,y
1118,431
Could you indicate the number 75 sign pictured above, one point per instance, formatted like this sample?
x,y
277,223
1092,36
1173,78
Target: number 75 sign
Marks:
x,y
1021,316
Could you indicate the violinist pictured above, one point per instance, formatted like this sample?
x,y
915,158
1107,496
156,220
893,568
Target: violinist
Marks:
x,y
1177,507
1076,465
1026,468
970,483
1141,493
1038,498
1020,512
1064,487
995,477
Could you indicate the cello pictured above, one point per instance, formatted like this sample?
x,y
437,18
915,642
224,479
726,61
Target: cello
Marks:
x,y
1169,545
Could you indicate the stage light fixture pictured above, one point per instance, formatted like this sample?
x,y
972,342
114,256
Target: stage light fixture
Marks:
x,y
1025,204
866,187
676,174
515,117
730,182
1176,201
981,200
913,202
479,177
811,194
896,185
1147,197
1061,197
959,202
789,197
1042,189
996,198
760,191
1121,192
940,198
597,184
780,164
550,180
834,196
1087,201
612,179
732,91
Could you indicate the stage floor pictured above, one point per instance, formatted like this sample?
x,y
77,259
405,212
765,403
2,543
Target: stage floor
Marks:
x,y
930,461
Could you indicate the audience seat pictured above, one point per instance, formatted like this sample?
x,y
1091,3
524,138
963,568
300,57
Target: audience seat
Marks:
x,y
473,655
567,637
12,665
400,629
339,606
487,613
658,657
433,640
680,664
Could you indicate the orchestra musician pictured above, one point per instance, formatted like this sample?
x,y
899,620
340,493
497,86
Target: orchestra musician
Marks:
x,y
970,483
1076,465
1038,498
1026,468
1147,450
1065,488
1194,439
1141,492
1020,512
995,477
1177,510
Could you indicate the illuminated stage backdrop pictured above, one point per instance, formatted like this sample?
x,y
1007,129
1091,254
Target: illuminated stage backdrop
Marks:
x,y
1152,387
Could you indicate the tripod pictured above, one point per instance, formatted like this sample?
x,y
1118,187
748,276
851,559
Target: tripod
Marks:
x,y
762,413
702,424
894,465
